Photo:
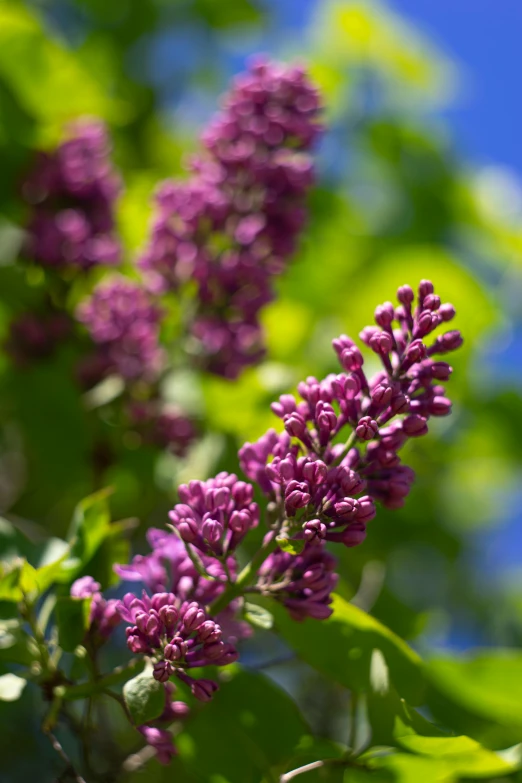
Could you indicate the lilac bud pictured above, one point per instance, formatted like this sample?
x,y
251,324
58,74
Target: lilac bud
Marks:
x,y
295,425
187,528
381,343
240,522
400,403
280,470
352,359
382,394
162,671
384,315
440,406
415,425
209,631
431,302
368,332
354,534
349,481
296,496
212,531
213,650
447,312
286,405
367,428
440,370
160,600
405,295
346,509
203,689
314,529
366,510
415,352
193,617
217,498
425,288
169,617
449,341
426,323
315,472
176,649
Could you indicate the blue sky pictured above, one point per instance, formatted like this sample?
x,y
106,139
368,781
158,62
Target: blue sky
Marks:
x,y
485,38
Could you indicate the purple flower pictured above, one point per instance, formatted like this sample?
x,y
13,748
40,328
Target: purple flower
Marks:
x,y
168,568
303,583
215,515
162,742
104,616
234,224
124,323
343,435
177,635
72,193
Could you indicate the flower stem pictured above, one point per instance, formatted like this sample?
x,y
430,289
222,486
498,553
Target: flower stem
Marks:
x,y
83,691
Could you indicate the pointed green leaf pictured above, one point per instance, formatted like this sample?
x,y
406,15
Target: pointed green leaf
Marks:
x,y
342,648
144,697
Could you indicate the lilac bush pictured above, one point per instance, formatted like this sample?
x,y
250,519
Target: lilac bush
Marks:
x,y
322,477
72,193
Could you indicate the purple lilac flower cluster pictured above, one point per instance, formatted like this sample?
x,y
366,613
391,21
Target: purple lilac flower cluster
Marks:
x,y
327,484
337,456
104,615
177,636
235,223
123,322
72,192
215,515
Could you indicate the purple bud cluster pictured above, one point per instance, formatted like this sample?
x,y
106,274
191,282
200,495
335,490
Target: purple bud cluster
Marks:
x,y
168,568
104,615
178,636
123,322
215,515
235,223
303,582
327,484
72,193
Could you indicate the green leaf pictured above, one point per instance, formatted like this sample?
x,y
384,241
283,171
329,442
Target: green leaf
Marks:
x,y
258,616
11,687
342,648
291,545
15,644
144,697
90,524
17,579
10,580
72,620
487,684
249,728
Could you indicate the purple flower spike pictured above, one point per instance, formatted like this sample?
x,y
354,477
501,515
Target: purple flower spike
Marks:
x,y
234,224
176,635
72,193
216,514
124,325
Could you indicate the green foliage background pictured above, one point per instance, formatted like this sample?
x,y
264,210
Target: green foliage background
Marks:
x,y
394,204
